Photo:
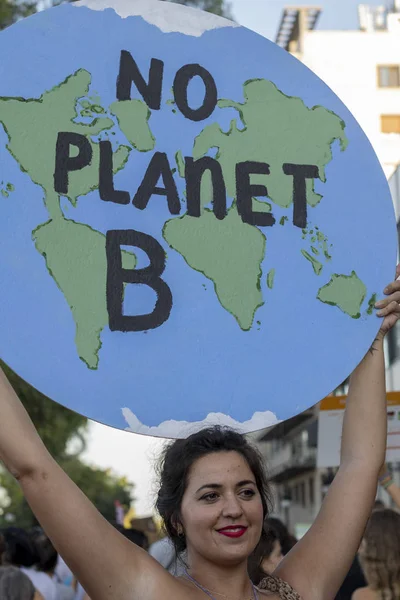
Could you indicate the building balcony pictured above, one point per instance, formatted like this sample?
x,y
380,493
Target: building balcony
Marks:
x,y
286,464
285,428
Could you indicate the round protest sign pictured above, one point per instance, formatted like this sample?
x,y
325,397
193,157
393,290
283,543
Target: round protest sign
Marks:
x,y
193,227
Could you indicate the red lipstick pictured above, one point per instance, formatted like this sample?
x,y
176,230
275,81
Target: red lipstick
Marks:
x,y
234,531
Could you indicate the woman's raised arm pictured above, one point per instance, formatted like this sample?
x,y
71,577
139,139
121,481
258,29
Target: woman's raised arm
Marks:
x,y
318,564
108,565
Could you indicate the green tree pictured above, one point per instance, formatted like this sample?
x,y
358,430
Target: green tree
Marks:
x,y
102,486
56,425
12,10
64,434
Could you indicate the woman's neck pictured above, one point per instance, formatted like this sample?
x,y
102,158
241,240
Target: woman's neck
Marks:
x,y
223,582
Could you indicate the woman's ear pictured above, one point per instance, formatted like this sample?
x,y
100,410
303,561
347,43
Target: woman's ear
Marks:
x,y
178,526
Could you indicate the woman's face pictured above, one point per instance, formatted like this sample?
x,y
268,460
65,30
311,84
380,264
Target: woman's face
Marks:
x,y
270,563
221,513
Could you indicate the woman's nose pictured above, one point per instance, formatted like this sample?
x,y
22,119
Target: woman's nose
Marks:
x,y
232,507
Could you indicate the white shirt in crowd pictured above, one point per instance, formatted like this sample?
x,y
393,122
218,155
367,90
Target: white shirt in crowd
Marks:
x,y
43,583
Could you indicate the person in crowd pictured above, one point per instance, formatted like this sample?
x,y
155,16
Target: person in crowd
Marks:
x,y
63,573
44,577
2,547
135,536
15,585
355,579
270,551
164,552
213,499
380,557
387,483
286,539
19,549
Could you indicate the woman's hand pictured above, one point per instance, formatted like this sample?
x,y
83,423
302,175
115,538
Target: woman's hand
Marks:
x,y
389,308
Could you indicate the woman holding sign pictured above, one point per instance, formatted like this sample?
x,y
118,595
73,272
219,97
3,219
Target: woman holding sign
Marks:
x,y
213,498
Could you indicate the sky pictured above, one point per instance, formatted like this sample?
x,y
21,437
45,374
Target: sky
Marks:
x,y
263,16
133,455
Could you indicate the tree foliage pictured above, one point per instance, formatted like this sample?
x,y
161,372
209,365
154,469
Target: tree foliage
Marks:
x,y
63,433
102,486
56,425
12,10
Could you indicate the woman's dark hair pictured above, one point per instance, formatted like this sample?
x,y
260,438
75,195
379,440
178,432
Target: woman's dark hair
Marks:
x,y
15,585
177,461
19,548
47,555
264,550
286,540
2,547
139,538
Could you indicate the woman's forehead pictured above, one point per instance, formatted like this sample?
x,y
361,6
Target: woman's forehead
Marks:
x,y
219,468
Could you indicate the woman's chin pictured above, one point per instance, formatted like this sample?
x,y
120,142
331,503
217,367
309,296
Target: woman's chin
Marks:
x,y
231,557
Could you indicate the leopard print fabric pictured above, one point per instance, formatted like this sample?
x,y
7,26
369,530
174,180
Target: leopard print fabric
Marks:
x,y
279,587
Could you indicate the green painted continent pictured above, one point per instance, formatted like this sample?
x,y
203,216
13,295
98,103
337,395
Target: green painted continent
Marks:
x,y
75,257
347,292
32,126
74,253
316,265
229,253
277,129
133,119
271,279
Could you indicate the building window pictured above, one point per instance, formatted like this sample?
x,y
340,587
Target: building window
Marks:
x,y
296,494
389,76
390,123
311,490
303,494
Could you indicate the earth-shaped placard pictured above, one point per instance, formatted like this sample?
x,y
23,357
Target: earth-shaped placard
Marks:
x,y
193,227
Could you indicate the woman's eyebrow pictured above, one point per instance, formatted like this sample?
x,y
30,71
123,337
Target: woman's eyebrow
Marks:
x,y
213,486
246,482
218,486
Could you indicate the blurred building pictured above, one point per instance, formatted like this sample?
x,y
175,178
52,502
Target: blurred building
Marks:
x,y
363,68
393,340
290,448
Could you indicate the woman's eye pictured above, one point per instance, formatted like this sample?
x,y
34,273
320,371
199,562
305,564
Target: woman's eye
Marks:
x,y
248,493
211,497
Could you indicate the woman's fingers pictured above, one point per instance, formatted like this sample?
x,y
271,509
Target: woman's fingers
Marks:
x,y
389,307
392,287
393,297
392,307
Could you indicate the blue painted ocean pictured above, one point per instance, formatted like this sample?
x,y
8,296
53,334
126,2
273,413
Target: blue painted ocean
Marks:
x,y
199,361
